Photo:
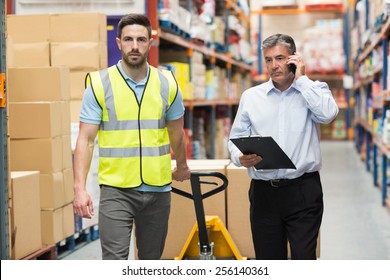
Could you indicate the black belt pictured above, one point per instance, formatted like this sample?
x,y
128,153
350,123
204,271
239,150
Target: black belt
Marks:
x,y
285,182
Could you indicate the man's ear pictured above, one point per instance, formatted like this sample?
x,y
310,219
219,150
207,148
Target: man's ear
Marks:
x,y
118,43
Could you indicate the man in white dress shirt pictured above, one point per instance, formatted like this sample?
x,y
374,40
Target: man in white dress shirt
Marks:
x,y
285,204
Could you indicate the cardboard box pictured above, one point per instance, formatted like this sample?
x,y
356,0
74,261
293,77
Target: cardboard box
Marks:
x,y
75,106
52,190
44,154
10,232
183,217
52,226
30,55
78,56
65,120
67,156
25,214
68,220
9,51
68,185
29,28
238,223
78,27
57,224
77,84
35,120
29,84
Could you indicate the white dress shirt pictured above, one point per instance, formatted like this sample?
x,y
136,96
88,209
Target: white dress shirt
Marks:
x,y
291,117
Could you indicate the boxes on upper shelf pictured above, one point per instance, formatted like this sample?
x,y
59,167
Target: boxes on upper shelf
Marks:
x,y
78,27
29,28
77,41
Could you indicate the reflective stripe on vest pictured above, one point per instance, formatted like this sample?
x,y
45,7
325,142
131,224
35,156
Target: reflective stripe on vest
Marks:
x,y
133,138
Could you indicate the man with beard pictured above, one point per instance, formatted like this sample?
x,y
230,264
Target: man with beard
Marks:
x,y
137,112
285,204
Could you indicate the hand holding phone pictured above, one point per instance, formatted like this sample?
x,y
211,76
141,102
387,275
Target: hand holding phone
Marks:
x,y
292,67
294,61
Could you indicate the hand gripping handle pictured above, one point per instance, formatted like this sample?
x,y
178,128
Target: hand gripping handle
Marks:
x,y
196,183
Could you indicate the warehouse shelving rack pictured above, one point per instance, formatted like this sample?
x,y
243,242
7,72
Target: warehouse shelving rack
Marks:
x,y
3,143
213,56
315,10
368,141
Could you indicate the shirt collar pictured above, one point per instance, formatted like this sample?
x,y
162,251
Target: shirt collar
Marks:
x,y
270,88
128,79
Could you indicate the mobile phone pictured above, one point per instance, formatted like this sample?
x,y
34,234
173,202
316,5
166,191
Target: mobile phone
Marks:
x,y
292,67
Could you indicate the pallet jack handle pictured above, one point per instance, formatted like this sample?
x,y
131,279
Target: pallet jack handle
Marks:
x,y
197,196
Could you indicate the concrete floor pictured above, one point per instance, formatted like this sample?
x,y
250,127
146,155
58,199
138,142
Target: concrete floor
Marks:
x,y
355,224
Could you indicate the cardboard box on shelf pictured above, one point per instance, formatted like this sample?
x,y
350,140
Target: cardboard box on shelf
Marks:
x,y
23,118
29,28
77,84
52,190
25,214
78,27
30,55
51,225
43,154
68,185
75,106
67,157
65,120
57,224
9,51
238,223
88,56
68,220
25,84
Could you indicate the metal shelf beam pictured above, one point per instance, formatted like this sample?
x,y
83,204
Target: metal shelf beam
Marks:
x,y
3,145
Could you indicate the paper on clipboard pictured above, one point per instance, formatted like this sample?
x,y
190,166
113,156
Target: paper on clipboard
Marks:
x,y
273,156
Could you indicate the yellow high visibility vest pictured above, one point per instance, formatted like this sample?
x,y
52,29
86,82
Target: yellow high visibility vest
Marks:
x,y
133,138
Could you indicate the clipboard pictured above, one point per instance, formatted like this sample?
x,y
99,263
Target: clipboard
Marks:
x,y
273,156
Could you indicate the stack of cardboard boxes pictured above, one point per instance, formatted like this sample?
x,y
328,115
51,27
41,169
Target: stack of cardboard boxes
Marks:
x,y
48,57
24,214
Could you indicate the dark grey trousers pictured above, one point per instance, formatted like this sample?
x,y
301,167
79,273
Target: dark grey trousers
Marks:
x,y
120,209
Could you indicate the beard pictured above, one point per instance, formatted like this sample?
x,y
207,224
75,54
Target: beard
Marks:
x,y
134,64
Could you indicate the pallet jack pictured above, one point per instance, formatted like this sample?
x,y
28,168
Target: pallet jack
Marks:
x,y
209,238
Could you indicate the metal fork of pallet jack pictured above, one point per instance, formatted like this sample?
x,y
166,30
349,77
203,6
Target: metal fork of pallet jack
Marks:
x,y
206,248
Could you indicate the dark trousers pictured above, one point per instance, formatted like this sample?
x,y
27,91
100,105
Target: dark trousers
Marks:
x,y
290,210
120,209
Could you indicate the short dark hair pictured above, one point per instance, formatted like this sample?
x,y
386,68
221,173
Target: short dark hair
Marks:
x,y
280,39
131,19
